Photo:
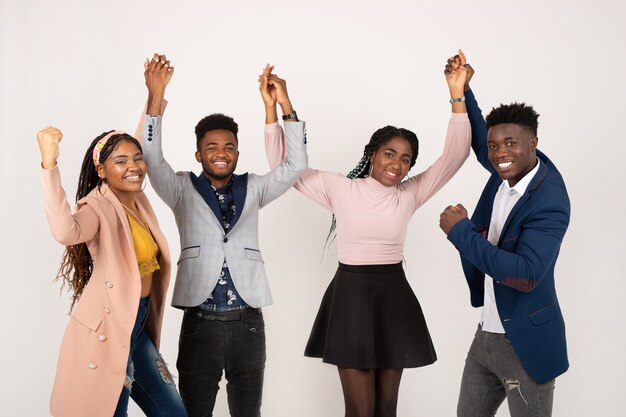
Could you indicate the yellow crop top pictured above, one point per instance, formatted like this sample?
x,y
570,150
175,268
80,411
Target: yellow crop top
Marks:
x,y
146,249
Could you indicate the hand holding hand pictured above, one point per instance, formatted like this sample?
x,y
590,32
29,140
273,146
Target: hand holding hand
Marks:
x,y
274,90
451,216
454,62
268,92
158,73
48,140
457,74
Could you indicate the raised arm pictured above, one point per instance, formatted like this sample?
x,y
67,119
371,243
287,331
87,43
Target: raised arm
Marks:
x,y
274,135
167,184
286,172
456,146
66,228
313,183
536,247
477,121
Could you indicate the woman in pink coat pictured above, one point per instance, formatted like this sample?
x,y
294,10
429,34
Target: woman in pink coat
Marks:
x,y
117,264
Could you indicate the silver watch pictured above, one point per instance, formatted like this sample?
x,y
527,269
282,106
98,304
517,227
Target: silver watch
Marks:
x,y
291,116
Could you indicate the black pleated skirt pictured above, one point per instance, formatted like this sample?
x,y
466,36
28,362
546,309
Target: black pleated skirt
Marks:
x,y
370,319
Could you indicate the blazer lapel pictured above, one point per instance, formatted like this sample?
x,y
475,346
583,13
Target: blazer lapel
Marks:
x,y
482,215
201,184
240,189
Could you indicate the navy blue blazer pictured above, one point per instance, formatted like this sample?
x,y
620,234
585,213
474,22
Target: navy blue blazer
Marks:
x,y
522,264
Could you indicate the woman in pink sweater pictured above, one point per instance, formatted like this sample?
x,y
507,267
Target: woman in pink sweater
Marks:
x,y
370,324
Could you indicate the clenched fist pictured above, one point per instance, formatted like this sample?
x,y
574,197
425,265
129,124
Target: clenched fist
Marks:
x,y
48,140
451,216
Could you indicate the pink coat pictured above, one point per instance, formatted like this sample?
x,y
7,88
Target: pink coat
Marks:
x,y
94,353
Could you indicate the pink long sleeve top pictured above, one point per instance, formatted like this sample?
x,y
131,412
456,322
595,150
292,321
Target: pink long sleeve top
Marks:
x,y
372,218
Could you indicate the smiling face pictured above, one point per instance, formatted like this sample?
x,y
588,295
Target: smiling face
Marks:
x,y
218,154
511,150
124,169
391,161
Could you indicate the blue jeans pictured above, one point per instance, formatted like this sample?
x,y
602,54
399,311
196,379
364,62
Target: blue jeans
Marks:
x,y
206,349
492,373
148,381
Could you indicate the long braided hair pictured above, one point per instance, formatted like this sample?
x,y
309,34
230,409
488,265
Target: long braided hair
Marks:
x,y
363,167
77,263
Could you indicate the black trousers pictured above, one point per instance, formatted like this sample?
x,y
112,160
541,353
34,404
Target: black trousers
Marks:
x,y
209,347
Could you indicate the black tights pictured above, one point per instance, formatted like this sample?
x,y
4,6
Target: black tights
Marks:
x,y
370,392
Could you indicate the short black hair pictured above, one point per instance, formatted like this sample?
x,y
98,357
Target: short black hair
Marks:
x,y
213,122
516,113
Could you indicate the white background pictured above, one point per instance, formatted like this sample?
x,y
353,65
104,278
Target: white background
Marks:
x,y
351,67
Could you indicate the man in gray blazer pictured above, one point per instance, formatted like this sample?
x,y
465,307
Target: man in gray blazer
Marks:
x,y
221,282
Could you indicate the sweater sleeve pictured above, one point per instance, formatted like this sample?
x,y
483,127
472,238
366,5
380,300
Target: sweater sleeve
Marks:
x,y
314,184
456,150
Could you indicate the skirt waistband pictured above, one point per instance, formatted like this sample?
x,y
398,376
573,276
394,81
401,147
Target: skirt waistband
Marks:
x,y
371,269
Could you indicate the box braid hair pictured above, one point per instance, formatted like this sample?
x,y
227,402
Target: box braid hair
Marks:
x,y
77,263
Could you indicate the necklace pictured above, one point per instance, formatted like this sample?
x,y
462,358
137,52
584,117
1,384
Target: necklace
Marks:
x,y
137,216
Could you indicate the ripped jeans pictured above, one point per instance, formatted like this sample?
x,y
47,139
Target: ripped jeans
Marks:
x,y
148,381
492,373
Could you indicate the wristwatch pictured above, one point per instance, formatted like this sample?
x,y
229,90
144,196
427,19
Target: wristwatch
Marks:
x,y
291,116
455,100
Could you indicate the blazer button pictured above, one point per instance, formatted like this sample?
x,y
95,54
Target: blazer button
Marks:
x,y
107,310
225,239
109,284
102,338
92,365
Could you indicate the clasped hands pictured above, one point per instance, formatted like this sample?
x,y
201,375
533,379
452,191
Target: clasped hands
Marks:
x,y
273,88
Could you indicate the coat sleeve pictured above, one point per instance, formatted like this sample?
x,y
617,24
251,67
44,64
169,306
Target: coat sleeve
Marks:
x,y
67,228
535,248
479,131
168,184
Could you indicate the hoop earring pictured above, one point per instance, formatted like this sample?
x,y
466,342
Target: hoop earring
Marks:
x,y
99,184
145,182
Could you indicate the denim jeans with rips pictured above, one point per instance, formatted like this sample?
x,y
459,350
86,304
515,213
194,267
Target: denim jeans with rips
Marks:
x,y
492,373
148,381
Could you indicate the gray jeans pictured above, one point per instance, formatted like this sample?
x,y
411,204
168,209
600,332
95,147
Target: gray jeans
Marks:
x,y
492,373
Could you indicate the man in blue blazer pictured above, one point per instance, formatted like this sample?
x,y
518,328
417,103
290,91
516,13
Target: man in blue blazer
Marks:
x,y
508,251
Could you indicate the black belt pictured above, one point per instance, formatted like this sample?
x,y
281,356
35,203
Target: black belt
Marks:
x,y
235,315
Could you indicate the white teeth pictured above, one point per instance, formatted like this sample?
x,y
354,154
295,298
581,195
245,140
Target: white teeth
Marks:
x,y
220,163
391,174
504,164
132,177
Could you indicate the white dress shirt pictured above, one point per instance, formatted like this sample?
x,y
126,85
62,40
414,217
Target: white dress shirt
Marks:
x,y
503,203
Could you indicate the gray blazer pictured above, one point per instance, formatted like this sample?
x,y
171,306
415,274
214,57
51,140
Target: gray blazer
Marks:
x,y
204,245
